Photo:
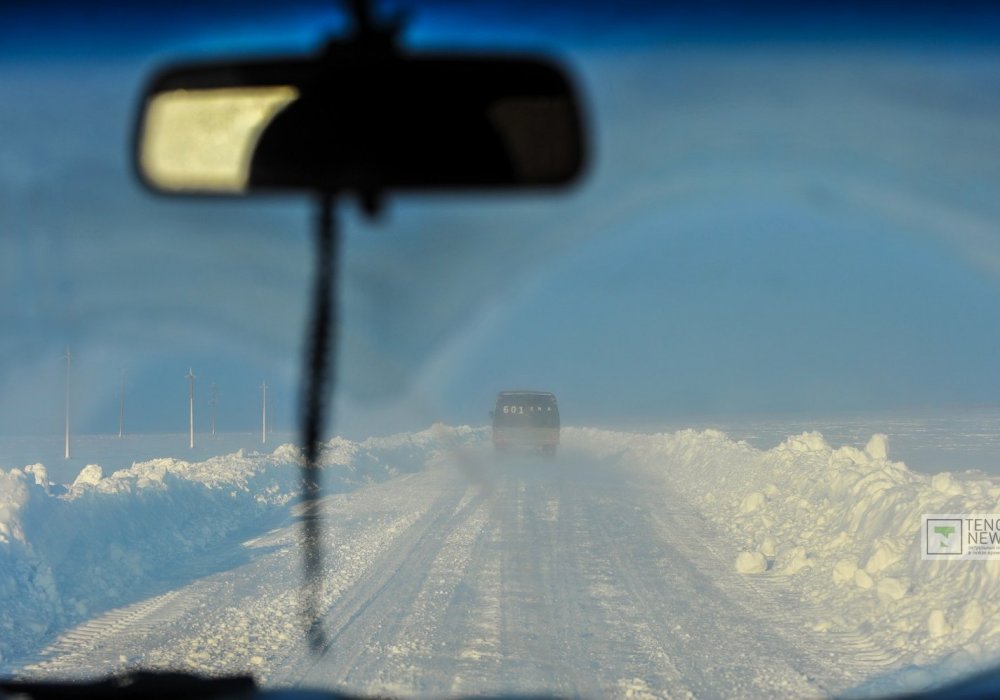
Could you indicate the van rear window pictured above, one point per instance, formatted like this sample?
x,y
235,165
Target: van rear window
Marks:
x,y
541,411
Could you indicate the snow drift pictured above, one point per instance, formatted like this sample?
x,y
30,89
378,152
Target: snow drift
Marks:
x,y
107,540
836,531
841,528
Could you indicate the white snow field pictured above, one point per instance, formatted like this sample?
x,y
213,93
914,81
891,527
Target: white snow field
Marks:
x,y
679,564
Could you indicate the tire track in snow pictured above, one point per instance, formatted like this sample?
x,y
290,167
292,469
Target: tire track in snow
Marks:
x,y
365,621
716,652
628,653
89,640
547,643
754,646
430,638
846,658
534,622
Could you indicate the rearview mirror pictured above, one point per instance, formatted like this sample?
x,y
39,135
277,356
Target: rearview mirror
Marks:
x,y
355,121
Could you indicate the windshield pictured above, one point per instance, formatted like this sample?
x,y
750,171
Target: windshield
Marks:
x,y
768,311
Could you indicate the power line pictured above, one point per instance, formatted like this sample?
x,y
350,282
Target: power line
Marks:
x,y
69,364
263,402
190,378
121,409
213,393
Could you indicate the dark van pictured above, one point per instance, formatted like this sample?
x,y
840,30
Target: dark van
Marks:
x,y
526,420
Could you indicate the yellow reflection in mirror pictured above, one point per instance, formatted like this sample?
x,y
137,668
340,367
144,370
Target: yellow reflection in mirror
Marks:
x,y
203,140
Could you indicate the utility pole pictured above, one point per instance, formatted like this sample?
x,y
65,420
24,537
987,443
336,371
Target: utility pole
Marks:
x,y
213,392
69,364
190,378
121,409
263,402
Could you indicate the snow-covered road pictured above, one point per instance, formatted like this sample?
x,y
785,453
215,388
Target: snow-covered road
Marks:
x,y
474,576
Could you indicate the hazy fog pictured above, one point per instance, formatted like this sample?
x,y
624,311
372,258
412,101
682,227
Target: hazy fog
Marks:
x,y
767,228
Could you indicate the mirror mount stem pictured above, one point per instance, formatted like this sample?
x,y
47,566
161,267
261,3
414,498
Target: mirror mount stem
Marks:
x,y
369,35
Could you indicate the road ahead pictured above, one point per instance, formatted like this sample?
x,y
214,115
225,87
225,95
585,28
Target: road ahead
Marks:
x,y
472,576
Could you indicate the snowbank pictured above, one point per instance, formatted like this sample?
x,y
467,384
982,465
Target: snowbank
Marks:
x,y
66,554
841,526
836,528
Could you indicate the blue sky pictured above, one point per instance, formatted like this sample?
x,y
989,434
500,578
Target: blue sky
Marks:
x,y
799,224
